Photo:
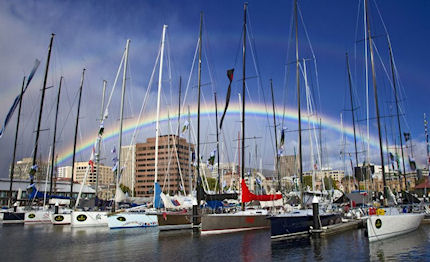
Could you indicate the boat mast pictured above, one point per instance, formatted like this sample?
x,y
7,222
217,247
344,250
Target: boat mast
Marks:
x,y
217,143
199,76
15,143
242,171
179,107
428,149
376,104
100,140
41,106
276,137
157,125
76,137
121,117
299,117
55,137
352,109
397,110
190,176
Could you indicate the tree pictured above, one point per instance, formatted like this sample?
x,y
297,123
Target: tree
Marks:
x,y
307,181
125,189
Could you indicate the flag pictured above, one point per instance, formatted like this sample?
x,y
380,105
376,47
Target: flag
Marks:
x,y
113,151
407,136
391,160
91,162
282,137
227,99
101,129
18,98
412,163
185,126
258,180
211,159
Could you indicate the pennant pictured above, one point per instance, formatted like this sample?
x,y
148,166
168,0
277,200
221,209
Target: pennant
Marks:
x,y
407,136
18,98
185,127
211,159
282,137
227,99
101,129
91,162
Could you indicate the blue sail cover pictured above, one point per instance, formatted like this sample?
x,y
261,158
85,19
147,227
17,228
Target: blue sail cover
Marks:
x,y
18,98
157,198
214,204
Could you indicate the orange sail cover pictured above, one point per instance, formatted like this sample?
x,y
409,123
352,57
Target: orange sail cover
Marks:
x,y
247,196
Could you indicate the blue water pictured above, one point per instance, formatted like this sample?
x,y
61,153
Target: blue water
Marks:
x,y
49,243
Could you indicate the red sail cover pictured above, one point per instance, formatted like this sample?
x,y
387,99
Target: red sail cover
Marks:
x,y
248,196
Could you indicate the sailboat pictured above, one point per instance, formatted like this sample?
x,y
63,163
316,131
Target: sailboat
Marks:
x,y
386,222
14,216
299,221
245,219
35,215
134,217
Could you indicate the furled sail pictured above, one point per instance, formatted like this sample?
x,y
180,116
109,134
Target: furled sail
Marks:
x,y
247,196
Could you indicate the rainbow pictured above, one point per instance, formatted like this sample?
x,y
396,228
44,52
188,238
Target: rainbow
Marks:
x,y
255,109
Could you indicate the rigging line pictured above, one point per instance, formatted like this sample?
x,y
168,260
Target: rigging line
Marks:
x,y
131,95
68,114
144,104
169,69
313,56
206,48
191,73
356,37
286,69
260,84
367,79
105,115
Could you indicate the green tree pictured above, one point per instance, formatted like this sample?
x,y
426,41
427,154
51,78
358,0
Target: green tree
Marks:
x,y
330,183
125,189
307,181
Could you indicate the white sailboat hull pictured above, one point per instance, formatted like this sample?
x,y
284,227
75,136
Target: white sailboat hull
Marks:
x,y
89,219
386,226
129,220
37,217
61,219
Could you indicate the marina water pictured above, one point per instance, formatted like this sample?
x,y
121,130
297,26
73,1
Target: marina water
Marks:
x,y
52,243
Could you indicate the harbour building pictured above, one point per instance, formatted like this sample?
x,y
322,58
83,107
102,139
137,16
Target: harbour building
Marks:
x,y
171,151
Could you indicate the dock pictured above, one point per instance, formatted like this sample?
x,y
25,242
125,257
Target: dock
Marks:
x,y
338,228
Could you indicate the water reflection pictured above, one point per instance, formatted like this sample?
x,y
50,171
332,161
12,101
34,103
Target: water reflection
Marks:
x,y
410,246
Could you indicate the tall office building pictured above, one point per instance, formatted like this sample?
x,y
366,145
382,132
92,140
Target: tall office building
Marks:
x,y
171,150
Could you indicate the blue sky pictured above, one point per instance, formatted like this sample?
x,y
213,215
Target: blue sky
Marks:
x,y
92,34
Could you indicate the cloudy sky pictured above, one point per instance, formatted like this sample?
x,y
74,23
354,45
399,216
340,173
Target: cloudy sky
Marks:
x,y
92,35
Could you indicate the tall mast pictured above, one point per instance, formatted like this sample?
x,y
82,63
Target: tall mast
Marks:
x,y
299,116
242,171
157,125
179,130
397,110
352,109
190,176
100,140
381,152
76,137
55,137
41,105
276,137
217,142
15,143
121,117
427,148
179,107
198,110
